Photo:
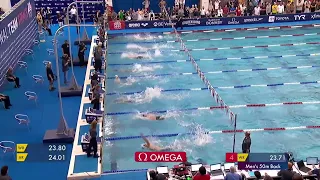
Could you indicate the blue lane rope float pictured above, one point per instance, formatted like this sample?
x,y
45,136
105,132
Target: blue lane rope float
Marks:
x,y
219,59
215,72
222,87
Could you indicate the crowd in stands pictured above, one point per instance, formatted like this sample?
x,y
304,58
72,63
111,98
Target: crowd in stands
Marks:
x,y
219,9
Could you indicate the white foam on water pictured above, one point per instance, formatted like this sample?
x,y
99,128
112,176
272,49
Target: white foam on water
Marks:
x,y
136,46
157,53
145,68
133,55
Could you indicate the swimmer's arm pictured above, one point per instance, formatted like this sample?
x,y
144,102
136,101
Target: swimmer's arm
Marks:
x,y
145,140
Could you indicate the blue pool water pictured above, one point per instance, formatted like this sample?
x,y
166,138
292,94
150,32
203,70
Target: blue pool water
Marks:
x,y
212,147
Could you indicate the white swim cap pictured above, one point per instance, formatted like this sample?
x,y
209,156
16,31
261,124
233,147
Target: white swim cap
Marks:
x,y
142,146
116,76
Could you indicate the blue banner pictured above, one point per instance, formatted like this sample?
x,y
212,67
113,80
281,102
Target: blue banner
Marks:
x,y
17,32
226,21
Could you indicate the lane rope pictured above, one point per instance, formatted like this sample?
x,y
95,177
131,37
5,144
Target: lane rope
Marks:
x,y
216,72
221,39
217,132
232,116
231,48
220,59
215,108
221,87
124,171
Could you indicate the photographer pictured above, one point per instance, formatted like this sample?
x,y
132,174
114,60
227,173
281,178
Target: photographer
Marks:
x,y
50,76
82,49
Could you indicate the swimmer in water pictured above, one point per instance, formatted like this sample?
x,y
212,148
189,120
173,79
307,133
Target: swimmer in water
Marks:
x,y
123,100
137,56
153,117
117,79
151,146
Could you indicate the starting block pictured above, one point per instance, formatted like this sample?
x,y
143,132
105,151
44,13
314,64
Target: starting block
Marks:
x,y
103,62
85,140
102,91
92,114
101,76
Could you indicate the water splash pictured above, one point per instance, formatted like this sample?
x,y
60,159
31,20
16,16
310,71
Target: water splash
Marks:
x,y
129,81
146,37
136,46
132,55
140,68
157,53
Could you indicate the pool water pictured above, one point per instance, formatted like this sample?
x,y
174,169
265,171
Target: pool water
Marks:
x,y
161,86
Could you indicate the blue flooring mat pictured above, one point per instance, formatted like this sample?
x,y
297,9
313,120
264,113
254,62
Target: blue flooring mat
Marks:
x,y
42,117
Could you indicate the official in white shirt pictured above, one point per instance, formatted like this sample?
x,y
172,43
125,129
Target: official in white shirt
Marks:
x,y
73,13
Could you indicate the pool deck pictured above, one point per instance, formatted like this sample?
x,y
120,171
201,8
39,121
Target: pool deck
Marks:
x,y
81,166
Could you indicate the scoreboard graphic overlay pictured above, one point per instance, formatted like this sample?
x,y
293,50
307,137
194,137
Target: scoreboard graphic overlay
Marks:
x,y
258,161
41,152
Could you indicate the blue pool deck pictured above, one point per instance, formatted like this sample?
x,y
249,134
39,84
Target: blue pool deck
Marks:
x,y
80,165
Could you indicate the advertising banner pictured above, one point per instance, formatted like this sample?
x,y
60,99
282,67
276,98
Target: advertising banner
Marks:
x,y
17,32
225,21
116,25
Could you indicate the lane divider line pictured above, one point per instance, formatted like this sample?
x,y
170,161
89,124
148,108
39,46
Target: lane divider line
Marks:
x,y
218,132
216,107
214,94
219,59
216,72
244,29
221,87
234,47
220,39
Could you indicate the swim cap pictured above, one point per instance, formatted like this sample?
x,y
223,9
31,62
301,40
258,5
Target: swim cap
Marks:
x,y
116,76
142,146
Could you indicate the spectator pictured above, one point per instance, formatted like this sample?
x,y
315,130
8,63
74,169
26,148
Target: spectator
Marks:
x,y
220,12
49,18
93,145
73,13
263,9
243,9
246,144
313,6
121,15
6,100
275,8
232,175
257,11
250,8
257,174
280,8
216,5
65,48
203,12
315,171
65,67
202,174
287,174
232,10
162,5
96,97
238,11
39,21
1,11
268,8
4,173
267,177
12,78
299,6
225,11
82,49
307,7
60,19
318,6
153,175
50,76
146,4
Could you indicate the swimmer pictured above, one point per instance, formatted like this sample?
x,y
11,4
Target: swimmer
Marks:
x,y
152,117
123,100
152,147
137,56
117,79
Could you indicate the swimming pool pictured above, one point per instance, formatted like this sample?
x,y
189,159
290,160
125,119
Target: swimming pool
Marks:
x,y
243,70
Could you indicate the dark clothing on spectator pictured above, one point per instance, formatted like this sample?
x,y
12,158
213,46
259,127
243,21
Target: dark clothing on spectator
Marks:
x,y
6,100
96,99
246,145
5,177
50,73
65,64
286,174
82,48
93,143
60,18
316,172
65,48
98,59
